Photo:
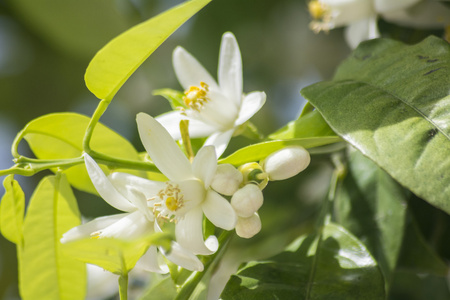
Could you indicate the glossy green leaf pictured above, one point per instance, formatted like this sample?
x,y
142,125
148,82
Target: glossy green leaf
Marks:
x,y
311,124
391,101
174,97
12,209
60,136
331,265
163,290
372,206
260,151
113,255
46,272
117,61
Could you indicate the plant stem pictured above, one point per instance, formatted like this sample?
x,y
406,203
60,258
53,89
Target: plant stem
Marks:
x,y
101,108
123,286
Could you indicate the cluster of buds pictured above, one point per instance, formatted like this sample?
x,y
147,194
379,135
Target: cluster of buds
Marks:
x,y
246,183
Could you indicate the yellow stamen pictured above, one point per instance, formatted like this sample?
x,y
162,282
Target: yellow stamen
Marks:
x,y
196,96
316,9
172,203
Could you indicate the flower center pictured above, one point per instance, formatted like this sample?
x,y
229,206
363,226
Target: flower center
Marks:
x,y
321,14
168,201
196,96
316,9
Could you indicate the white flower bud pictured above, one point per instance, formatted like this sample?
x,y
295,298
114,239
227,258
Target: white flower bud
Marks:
x,y
247,200
248,227
227,179
286,163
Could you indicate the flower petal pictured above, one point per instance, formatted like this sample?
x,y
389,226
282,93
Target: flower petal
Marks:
x,y
424,15
182,257
382,6
171,122
123,181
220,141
219,211
131,226
204,165
362,30
230,68
251,104
162,149
189,71
84,231
189,233
150,262
105,188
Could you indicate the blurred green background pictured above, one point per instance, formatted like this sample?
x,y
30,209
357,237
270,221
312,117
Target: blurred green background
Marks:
x,y
46,45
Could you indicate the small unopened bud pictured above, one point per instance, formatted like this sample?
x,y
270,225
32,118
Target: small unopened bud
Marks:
x,y
247,200
286,162
227,179
248,227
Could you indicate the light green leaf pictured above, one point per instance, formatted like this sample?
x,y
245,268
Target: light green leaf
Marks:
x,y
372,206
113,255
391,101
163,290
12,209
60,136
117,61
260,151
331,265
174,97
311,124
45,271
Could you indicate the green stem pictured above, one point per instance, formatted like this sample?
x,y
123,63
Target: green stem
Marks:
x,y
101,108
190,285
123,286
16,142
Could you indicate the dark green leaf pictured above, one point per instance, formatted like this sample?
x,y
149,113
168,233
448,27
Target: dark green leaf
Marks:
x,y
391,101
331,265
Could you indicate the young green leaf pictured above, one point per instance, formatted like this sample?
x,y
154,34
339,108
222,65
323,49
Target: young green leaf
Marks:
x,y
330,265
391,101
163,290
60,136
260,151
45,271
12,209
117,61
372,206
174,97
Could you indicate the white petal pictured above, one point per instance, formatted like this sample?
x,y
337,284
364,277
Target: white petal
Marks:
x,y
360,31
189,233
171,122
193,192
227,179
150,262
219,211
424,15
105,188
248,227
123,181
251,104
131,226
247,200
220,141
205,164
140,201
163,150
382,6
344,12
85,230
230,68
189,71
182,257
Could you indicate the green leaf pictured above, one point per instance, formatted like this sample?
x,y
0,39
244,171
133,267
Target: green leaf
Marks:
x,y
12,209
311,124
174,97
117,61
163,290
60,136
331,265
113,255
373,207
391,101
260,151
45,271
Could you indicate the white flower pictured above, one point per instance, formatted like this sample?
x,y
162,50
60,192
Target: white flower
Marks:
x,y
248,227
215,110
188,194
286,163
227,179
247,200
360,16
124,192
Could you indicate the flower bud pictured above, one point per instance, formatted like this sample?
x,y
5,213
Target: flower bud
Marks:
x,y
286,162
248,227
247,200
227,179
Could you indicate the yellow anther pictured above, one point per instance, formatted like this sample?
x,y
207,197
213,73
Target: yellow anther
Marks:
x,y
196,96
316,9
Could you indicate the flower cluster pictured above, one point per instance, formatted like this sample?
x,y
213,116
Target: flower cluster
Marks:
x,y
229,197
